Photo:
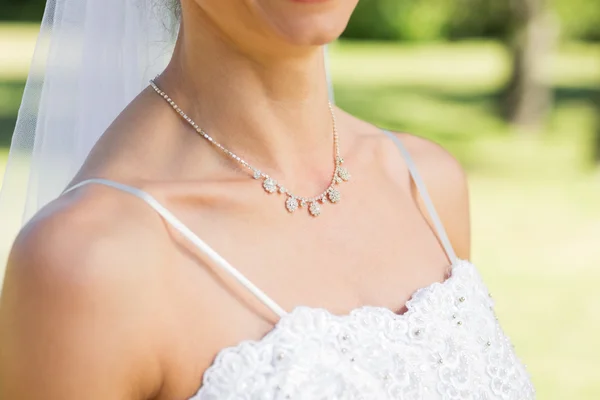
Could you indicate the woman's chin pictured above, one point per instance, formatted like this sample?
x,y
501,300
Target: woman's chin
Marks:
x,y
311,29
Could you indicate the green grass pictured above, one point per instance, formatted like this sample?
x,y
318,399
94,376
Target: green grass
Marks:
x,y
535,198
17,42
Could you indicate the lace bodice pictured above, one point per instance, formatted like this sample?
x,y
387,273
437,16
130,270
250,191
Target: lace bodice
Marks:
x,y
447,345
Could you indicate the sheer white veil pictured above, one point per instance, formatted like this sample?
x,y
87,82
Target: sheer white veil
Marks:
x,y
91,59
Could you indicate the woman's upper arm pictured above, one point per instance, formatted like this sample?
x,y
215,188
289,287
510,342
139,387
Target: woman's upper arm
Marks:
x,y
69,327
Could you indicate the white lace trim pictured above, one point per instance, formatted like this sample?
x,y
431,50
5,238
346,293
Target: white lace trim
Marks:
x,y
447,345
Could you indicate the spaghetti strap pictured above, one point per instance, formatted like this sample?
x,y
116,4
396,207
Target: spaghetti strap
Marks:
x,y
189,235
422,189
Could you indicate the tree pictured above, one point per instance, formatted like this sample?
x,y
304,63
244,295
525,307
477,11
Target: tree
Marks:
x,y
597,133
527,99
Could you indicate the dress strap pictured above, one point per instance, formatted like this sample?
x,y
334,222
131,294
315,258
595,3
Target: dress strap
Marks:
x,y
189,235
422,189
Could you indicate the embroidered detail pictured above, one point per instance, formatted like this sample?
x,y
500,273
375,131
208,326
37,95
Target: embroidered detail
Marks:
x,y
373,353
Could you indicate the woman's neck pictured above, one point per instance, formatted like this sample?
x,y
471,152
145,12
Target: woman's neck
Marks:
x,y
267,101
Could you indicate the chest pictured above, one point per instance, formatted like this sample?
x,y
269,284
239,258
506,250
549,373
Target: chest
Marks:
x,y
344,261
365,251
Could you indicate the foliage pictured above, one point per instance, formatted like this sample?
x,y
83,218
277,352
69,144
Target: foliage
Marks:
x,y
481,18
429,19
400,19
457,19
579,18
22,10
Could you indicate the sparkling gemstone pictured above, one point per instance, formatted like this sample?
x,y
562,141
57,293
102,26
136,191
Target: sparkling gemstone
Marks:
x,y
343,173
337,180
334,195
461,299
282,189
340,160
257,174
314,209
302,203
270,185
291,204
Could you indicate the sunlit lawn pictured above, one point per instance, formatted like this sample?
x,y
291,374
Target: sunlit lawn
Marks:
x,y
535,200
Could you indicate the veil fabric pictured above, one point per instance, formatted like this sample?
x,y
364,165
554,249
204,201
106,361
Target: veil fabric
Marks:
x,y
91,59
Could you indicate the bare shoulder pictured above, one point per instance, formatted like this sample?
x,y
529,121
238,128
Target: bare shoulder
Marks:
x,y
447,185
443,175
74,313
441,170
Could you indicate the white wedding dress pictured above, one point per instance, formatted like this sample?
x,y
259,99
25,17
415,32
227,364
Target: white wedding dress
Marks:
x,y
448,345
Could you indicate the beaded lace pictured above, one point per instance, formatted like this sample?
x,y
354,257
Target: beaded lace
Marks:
x,y
447,345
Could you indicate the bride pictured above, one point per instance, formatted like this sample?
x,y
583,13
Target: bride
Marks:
x,y
233,234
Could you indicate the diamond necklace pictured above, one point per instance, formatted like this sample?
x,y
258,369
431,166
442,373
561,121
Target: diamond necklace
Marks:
x,y
269,184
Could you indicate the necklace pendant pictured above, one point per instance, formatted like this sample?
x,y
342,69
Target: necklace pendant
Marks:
x,y
334,195
314,209
343,174
270,185
291,204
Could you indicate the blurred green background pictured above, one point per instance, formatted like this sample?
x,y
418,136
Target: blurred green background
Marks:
x,y
511,88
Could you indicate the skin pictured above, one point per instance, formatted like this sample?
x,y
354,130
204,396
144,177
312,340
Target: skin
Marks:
x,y
103,301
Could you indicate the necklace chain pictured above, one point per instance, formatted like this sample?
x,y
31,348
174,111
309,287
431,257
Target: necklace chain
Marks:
x,y
270,185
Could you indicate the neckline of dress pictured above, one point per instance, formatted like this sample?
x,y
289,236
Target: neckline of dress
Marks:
x,y
398,314
454,268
